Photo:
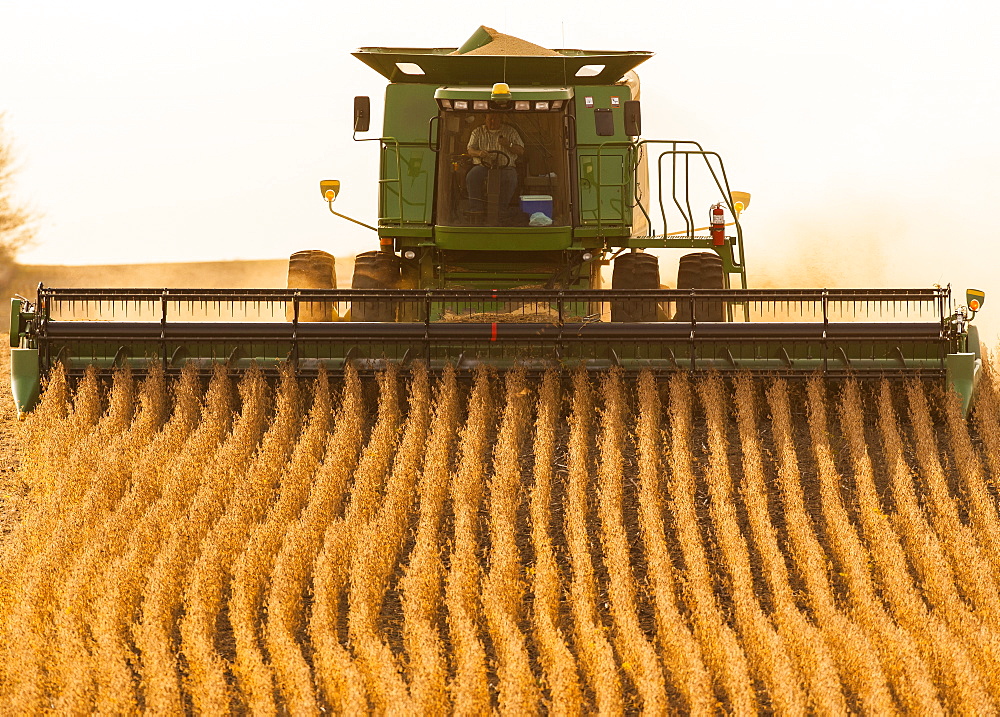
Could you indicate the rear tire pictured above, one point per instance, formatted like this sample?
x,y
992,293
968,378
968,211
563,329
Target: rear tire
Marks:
x,y
701,271
312,269
635,271
375,270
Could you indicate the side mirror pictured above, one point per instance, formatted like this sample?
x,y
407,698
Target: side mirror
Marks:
x,y
633,118
330,189
362,114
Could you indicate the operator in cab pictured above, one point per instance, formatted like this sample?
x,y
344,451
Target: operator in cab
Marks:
x,y
493,146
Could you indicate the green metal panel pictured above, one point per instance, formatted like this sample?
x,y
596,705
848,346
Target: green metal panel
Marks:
x,y
407,169
504,238
25,382
408,109
972,344
600,98
15,322
962,377
605,171
602,205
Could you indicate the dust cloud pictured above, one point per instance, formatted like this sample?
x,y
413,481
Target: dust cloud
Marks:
x,y
256,274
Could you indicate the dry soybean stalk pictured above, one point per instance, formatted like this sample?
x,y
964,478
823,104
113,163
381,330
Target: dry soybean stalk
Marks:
x,y
212,571
852,649
340,680
469,687
767,651
255,564
503,588
898,649
376,553
596,653
681,652
972,568
558,662
421,584
801,635
640,660
301,544
928,557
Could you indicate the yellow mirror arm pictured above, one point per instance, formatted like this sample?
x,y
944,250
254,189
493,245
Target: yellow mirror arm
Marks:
x,y
343,216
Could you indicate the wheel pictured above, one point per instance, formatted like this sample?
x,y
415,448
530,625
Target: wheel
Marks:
x,y
635,270
701,271
375,270
312,269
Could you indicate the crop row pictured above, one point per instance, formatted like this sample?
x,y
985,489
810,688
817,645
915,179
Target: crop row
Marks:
x,y
428,544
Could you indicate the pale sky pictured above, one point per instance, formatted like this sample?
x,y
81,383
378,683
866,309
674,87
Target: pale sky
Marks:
x,y
866,132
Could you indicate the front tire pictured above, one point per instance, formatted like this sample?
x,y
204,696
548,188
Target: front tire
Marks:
x,y
632,271
701,271
375,270
312,269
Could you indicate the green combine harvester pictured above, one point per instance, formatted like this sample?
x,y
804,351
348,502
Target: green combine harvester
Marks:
x,y
510,175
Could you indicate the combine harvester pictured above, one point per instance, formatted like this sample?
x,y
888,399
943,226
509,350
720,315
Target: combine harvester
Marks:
x,y
510,174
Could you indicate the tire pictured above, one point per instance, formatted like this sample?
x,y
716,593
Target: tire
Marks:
x,y
701,271
312,269
635,271
375,270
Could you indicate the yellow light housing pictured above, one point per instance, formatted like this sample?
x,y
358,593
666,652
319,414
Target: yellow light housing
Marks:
x,y
975,298
741,200
501,92
330,189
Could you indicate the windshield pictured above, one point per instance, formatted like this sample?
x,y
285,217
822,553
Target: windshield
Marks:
x,y
502,169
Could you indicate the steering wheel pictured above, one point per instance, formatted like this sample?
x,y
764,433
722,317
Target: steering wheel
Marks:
x,y
494,164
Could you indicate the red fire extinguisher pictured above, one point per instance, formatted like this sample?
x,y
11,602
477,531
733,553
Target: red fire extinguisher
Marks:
x,y
718,228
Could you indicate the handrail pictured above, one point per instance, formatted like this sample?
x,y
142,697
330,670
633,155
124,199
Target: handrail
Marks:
x,y
384,143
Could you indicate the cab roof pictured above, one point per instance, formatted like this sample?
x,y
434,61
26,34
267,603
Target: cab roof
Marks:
x,y
489,56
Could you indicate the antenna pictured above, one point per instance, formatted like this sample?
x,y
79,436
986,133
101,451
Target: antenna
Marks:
x,y
562,27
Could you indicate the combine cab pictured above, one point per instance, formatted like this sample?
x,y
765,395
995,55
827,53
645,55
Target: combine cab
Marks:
x,y
510,176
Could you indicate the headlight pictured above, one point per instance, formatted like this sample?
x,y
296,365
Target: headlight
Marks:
x,y
461,104
409,254
587,256
480,105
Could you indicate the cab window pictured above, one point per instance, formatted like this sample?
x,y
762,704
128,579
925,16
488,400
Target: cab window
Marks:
x,y
502,168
